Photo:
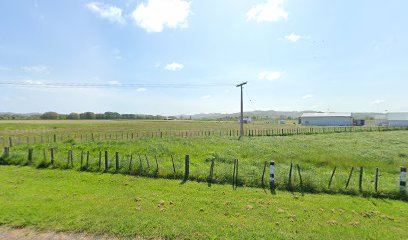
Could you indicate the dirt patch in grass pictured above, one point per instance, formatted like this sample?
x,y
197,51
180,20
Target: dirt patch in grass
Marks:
x,y
7,233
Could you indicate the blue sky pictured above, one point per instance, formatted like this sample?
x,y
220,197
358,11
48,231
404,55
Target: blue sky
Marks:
x,y
296,55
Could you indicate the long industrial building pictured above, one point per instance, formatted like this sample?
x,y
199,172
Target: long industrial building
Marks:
x,y
326,119
397,119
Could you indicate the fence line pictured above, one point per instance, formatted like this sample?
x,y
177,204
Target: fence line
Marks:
x,y
122,135
83,161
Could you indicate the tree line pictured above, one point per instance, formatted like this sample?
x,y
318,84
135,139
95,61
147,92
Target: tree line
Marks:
x,y
77,116
92,115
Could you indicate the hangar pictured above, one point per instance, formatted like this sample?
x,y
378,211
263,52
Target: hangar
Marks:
x,y
326,119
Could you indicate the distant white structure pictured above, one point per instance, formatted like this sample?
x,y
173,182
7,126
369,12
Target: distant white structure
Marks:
x,y
397,119
326,119
246,120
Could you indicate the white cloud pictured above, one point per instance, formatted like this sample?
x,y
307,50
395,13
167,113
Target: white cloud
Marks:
x,y
307,96
158,14
292,37
174,66
37,69
109,12
268,75
270,11
141,90
378,101
206,97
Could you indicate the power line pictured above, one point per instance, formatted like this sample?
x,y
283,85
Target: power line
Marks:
x,y
252,105
40,84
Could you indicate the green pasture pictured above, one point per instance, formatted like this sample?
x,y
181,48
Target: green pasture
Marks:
x,y
126,206
314,155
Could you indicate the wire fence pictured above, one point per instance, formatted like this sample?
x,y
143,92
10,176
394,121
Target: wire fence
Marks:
x,y
22,138
283,176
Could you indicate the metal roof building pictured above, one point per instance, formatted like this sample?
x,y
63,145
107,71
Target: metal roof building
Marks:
x,y
397,119
326,119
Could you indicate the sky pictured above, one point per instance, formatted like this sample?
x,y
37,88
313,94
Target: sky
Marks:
x,y
185,57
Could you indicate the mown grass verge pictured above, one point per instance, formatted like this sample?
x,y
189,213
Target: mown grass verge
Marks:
x,y
128,206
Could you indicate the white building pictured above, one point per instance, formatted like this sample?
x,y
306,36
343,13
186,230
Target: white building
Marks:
x,y
397,119
246,120
326,119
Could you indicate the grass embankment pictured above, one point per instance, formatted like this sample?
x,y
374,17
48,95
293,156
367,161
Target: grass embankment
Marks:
x,y
316,155
128,206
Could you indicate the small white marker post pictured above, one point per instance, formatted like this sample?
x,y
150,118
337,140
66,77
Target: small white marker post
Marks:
x,y
272,175
403,179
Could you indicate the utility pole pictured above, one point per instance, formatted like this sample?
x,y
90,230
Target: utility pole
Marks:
x,y
242,111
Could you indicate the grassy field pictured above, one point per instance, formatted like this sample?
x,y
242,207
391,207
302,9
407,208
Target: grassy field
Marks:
x,y
316,156
128,206
41,126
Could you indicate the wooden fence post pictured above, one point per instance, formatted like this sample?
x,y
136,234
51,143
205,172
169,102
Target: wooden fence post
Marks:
x,y
376,180
117,162
55,137
403,179
233,173
72,158
30,155
174,167
290,177
157,166
87,159
6,151
147,161
349,178
187,167
82,158
44,154
331,178
271,175
236,175
68,158
52,156
130,163
263,175
106,161
360,180
10,142
100,161
141,165
210,178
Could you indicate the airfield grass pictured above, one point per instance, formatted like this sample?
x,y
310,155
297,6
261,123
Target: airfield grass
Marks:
x,y
128,206
316,156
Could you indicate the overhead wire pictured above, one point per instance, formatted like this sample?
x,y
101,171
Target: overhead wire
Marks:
x,y
40,84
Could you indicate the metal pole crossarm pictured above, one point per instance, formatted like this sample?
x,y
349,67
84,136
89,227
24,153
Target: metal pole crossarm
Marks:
x,y
239,85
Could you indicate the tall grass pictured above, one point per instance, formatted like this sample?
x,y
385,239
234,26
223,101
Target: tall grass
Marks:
x,y
315,154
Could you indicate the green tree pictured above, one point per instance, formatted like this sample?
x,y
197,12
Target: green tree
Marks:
x,y
49,115
73,116
87,115
112,115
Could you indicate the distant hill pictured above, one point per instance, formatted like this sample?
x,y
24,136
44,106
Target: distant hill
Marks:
x,y
264,115
255,115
